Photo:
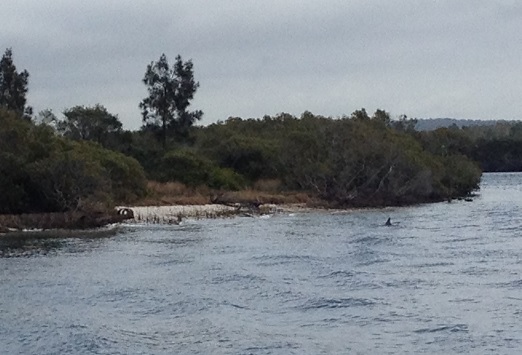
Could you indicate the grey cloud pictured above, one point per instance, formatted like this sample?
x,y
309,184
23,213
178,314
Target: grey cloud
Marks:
x,y
426,59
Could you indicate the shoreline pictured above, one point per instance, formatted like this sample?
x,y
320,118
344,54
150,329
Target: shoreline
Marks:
x,y
38,225
172,214
153,214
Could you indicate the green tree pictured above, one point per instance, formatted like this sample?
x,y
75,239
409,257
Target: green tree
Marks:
x,y
43,172
90,123
13,86
65,179
359,161
170,91
360,115
382,117
405,124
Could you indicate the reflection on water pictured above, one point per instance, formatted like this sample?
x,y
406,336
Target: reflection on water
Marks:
x,y
25,244
446,278
22,246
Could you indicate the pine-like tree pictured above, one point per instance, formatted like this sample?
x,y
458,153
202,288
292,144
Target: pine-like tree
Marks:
x,y
170,91
13,86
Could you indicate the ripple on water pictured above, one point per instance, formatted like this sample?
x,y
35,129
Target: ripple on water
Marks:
x,y
274,260
515,284
333,303
238,279
338,274
433,265
452,328
447,280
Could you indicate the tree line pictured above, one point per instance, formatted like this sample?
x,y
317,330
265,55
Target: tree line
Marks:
x,y
86,158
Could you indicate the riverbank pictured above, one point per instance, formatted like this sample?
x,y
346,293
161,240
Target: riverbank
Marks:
x,y
57,223
175,213
67,224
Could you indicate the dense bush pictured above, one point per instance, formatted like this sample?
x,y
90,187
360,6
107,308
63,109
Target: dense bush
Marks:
x,y
191,169
226,179
351,161
65,180
43,172
183,166
126,176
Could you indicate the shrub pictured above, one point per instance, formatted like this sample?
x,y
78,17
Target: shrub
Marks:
x,y
227,179
184,166
65,179
42,172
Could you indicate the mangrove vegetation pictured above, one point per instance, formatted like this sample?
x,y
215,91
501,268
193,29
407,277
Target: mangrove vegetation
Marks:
x,y
84,160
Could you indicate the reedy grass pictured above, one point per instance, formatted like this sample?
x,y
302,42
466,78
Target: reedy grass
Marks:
x,y
263,191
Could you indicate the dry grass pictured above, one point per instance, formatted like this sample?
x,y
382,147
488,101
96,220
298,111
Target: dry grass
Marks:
x,y
268,185
174,193
249,195
167,188
264,191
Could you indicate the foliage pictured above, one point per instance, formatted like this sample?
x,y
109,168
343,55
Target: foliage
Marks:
x,y
126,176
13,86
90,123
187,167
446,141
494,147
226,179
43,172
496,155
183,166
170,91
459,174
249,156
65,179
358,160
355,160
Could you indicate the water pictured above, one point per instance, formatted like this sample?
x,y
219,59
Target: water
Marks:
x,y
446,278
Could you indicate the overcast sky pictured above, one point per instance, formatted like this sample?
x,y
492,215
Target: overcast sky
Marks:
x,y
438,58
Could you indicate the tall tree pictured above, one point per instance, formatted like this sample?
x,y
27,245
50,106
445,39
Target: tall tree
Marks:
x,y
13,86
90,123
170,91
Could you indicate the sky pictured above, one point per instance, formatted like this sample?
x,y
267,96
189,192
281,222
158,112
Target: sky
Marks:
x,y
425,59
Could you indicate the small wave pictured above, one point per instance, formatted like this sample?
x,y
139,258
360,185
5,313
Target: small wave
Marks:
x,y
373,261
233,305
120,295
323,303
371,240
510,284
466,226
336,274
270,260
428,265
270,348
464,300
458,240
453,328
180,242
240,279
404,284
135,225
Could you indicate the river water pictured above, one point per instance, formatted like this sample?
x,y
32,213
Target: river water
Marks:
x,y
445,278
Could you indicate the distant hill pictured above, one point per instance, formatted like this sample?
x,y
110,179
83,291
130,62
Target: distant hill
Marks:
x,y
431,124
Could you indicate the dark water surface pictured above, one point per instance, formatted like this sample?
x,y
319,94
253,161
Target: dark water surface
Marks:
x,y
446,279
